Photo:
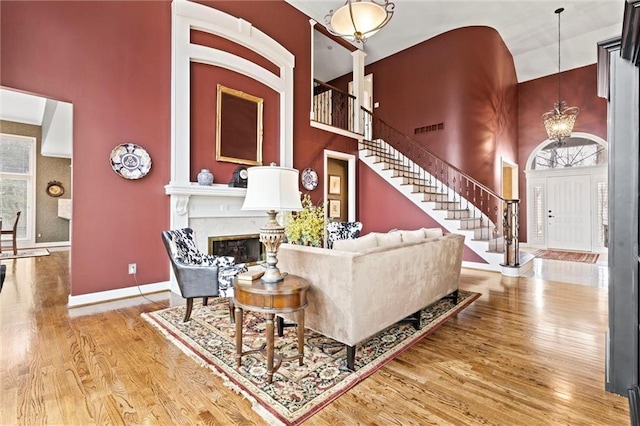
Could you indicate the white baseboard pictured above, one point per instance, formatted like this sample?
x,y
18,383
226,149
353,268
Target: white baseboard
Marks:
x,y
53,244
120,293
481,266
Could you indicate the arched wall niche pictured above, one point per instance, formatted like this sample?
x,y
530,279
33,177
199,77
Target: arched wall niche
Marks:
x,y
188,16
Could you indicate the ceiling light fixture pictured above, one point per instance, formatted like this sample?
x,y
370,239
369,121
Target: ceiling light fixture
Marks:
x,y
358,20
560,120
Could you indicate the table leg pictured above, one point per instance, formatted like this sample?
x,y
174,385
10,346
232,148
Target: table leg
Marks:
x,y
269,332
238,317
300,322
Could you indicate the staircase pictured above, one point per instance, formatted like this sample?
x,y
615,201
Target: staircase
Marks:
x,y
456,201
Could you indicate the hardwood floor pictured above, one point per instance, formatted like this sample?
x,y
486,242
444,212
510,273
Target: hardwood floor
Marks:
x,y
528,352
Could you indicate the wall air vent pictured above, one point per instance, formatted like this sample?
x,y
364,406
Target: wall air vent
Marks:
x,y
427,129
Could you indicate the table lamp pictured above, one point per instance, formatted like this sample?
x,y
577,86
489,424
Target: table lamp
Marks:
x,y
272,189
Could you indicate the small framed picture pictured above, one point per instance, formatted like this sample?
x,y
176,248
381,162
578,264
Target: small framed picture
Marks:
x,y
334,209
334,185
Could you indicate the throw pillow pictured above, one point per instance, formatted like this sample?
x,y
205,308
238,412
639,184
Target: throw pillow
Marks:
x,y
356,245
413,236
432,232
342,231
389,239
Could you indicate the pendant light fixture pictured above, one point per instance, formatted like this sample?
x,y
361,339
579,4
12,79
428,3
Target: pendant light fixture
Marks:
x,y
560,120
358,20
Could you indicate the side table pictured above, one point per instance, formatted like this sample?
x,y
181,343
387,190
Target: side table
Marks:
x,y
289,295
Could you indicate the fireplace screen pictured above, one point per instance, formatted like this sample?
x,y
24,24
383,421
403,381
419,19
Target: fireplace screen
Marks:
x,y
244,248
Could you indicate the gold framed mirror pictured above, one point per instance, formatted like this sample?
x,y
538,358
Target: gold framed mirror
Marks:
x,y
238,127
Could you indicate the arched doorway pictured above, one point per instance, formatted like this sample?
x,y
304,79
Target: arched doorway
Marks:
x,y
567,194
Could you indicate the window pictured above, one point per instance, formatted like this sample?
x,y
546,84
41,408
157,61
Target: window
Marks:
x,y
602,203
539,216
574,152
17,172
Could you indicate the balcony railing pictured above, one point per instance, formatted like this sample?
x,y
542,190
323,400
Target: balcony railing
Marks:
x,y
333,107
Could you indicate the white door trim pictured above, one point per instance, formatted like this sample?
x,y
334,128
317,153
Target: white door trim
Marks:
x,y
351,171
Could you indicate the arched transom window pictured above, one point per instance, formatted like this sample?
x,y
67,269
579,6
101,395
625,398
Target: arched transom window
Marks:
x,y
574,152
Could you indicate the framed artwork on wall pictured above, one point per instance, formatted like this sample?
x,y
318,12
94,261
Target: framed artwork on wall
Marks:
x,y
334,185
238,127
334,209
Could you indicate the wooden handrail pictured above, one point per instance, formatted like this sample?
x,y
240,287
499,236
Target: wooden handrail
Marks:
x,y
421,165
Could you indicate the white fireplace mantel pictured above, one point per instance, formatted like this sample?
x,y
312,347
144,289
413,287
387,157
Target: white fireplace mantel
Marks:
x,y
214,210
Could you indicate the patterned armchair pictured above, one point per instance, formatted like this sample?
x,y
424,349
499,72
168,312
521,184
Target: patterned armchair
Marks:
x,y
342,231
199,274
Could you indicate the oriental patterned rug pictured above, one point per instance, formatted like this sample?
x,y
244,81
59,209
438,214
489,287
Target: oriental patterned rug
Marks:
x,y
297,392
571,256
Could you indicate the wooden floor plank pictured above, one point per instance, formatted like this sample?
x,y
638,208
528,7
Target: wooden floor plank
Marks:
x,y
527,352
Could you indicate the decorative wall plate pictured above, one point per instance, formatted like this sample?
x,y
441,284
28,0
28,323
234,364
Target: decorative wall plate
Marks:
x,y
309,179
131,161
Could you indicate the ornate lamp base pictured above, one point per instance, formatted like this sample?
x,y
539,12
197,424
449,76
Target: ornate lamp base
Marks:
x,y
272,235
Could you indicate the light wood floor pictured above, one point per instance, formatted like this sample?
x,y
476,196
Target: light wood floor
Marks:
x,y
528,352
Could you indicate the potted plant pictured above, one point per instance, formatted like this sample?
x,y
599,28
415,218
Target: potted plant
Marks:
x,y
307,226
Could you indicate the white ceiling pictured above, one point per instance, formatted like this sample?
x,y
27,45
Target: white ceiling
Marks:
x,y
528,28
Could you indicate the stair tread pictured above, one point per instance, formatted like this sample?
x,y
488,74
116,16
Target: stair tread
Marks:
x,y
479,227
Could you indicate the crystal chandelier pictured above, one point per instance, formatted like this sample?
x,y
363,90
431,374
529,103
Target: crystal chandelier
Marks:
x,y
560,120
358,20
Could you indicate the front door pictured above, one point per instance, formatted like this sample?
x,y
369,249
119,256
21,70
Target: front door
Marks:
x,y
569,213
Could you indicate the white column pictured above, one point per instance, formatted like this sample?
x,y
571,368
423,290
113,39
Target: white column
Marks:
x,y
358,87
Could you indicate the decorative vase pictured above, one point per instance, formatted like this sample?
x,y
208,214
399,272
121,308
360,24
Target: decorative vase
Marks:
x,y
205,177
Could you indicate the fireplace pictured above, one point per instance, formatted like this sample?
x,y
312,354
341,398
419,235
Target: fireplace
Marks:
x,y
244,248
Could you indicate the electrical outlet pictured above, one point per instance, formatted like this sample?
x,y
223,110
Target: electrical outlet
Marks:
x,y
133,268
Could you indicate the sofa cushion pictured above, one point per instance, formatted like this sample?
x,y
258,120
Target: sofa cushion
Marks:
x,y
391,238
432,232
356,245
413,236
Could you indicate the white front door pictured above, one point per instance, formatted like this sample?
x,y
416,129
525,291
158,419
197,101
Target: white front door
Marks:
x,y
569,212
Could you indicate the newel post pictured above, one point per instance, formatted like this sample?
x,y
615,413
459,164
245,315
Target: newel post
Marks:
x,y
511,226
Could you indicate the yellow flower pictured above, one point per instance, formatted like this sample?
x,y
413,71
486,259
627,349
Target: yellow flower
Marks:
x,y
306,227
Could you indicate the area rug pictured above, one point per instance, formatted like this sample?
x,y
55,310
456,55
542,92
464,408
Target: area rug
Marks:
x,y
8,254
571,256
297,392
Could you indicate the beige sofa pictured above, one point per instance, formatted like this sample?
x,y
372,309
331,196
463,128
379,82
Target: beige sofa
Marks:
x,y
364,285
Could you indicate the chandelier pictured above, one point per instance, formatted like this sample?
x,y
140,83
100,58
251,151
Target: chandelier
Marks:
x,y
358,20
560,120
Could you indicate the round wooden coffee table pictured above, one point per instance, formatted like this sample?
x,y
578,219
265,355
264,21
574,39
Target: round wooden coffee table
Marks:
x,y
289,295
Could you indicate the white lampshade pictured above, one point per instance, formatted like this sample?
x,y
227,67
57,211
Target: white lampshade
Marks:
x,y
272,188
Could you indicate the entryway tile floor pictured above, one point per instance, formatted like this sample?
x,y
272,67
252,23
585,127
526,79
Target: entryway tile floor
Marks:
x,y
590,274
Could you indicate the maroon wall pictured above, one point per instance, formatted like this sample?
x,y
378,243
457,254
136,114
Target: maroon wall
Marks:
x,y
535,97
464,78
112,60
389,209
